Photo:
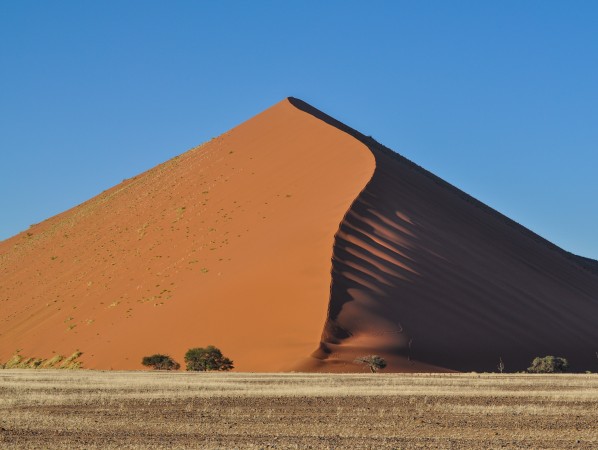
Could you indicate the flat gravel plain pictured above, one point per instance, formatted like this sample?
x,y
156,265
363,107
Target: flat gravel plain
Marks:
x,y
55,409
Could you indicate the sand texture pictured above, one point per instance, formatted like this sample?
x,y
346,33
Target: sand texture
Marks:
x,y
231,243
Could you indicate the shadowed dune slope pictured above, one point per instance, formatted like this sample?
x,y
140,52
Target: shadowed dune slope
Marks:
x,y
432,279
228,244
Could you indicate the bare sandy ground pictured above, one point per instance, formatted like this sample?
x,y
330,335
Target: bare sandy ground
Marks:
x,y
81,409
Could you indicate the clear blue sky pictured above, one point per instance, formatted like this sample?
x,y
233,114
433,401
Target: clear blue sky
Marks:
x,y
498,98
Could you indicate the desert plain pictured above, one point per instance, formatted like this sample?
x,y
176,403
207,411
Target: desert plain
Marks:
x,y
111,409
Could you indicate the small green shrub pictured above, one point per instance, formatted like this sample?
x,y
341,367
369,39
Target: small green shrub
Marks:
x,y
160,362
209,358
374,362
549,364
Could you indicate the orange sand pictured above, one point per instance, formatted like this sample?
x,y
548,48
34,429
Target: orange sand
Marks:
x,y
230,244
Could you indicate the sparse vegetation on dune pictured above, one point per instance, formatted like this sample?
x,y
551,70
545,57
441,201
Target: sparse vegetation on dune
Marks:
x,y
18,361
64,409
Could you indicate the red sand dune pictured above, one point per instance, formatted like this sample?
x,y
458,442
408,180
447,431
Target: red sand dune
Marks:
x,y
230,244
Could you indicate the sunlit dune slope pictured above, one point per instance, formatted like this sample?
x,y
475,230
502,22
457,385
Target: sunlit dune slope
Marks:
x,y
430,278
228,244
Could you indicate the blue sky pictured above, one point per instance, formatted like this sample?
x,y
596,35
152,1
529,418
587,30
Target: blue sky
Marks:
x,y
498,98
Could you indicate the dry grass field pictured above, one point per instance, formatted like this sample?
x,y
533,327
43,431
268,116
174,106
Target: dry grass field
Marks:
x,y
91,409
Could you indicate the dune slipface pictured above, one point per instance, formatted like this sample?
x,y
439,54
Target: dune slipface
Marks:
x,y
231,243
433,279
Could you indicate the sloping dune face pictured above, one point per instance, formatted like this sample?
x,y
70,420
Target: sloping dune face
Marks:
x,y
432,279
228,244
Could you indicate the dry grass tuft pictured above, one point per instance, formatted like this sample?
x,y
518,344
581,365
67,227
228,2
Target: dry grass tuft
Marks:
x,y
17,361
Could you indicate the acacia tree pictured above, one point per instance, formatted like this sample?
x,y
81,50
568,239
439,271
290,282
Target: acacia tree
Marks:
x,y
209,358
549,364
160,362
374,362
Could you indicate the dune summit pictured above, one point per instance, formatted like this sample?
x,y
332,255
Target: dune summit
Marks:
x,y
294,242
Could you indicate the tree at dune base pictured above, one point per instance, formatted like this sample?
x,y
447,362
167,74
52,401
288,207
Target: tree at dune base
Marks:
x,y
160,362
201,359
549,364
374,362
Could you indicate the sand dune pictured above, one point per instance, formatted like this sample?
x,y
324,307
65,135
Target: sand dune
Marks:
x,y
230,244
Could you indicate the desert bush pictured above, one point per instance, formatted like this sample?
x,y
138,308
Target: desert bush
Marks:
x,y
549,364
160,362
374,362
209,358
